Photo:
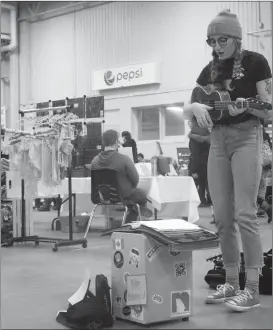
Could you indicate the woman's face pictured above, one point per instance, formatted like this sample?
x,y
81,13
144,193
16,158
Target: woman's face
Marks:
x,y
224,46
124,139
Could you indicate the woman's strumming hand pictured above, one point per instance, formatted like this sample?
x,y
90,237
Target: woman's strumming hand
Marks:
x,y
202,116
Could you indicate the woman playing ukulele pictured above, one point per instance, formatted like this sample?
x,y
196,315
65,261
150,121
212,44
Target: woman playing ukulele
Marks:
x,y
235,157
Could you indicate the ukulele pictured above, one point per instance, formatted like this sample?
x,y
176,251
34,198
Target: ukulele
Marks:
x,y
219,101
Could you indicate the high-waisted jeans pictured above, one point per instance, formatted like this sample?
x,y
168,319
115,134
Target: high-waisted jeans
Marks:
x,y
234,174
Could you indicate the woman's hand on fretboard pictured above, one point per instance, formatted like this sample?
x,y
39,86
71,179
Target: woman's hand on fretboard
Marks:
x,y
235,111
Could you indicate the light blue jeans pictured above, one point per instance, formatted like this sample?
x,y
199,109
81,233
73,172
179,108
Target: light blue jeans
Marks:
x,y
234,174
262,186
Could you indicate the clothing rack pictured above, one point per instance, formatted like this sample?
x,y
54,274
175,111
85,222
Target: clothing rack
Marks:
x,y
57,242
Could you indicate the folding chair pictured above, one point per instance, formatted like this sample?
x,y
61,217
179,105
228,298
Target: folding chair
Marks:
x,y
105,191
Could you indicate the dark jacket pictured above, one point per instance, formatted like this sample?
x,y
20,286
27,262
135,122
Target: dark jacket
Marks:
x,y
199,154
199,151
128,177
132,143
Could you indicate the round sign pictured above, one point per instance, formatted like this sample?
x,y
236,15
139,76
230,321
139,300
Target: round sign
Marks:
x,y
118,259
126,310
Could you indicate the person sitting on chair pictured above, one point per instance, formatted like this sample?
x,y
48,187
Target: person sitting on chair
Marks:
x,y
128,177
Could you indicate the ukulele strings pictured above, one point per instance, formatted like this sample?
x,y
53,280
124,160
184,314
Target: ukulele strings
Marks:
x,y
222,105
225,103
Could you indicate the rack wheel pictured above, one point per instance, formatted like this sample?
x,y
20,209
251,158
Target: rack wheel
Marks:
x,y
55,248
185,319
84,245
9,242
37,242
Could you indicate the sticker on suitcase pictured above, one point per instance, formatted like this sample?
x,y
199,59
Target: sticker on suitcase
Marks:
x,y
153,252
125,276
174,253
118,300
136,290
137,313
118,244
118,259
126,310
180,269
134,257
180,303
156,298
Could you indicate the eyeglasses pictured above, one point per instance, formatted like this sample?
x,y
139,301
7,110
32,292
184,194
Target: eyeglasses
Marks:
x,y
222,41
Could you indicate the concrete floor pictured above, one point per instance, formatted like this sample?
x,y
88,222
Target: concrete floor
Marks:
x,y
36,283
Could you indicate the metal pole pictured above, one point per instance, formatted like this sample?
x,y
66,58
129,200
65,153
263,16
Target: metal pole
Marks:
x,y
70,217
44,109
1,92
69,176
23,202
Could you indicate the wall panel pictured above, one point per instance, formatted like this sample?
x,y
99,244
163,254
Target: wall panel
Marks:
x,y
65,49
52,59
112,120
265,39
248,14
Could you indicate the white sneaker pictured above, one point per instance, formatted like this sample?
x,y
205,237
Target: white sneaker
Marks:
x,y
223,293
244,301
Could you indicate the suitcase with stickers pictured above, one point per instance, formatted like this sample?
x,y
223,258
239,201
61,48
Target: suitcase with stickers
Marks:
x,y
150,283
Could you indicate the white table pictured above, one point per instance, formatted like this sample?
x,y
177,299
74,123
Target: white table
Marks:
x,y
171,196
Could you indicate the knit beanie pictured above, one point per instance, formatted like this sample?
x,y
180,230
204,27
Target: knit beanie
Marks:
x,y
225,23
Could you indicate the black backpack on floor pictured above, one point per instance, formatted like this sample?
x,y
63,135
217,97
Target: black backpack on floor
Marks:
x,y
93,312
217,275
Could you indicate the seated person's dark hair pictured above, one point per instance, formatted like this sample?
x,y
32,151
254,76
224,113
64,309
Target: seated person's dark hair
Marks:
x,y
126,134
141,155
109,138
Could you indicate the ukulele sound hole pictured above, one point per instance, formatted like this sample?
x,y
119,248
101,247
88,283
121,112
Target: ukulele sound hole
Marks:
x,y
214,113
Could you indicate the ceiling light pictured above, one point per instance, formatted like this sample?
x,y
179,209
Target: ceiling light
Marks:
x,y
174,108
